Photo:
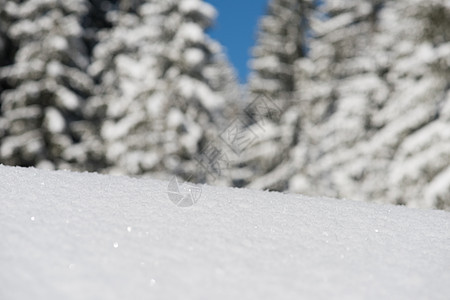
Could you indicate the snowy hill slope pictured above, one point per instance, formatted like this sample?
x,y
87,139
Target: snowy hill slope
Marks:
x,y
87,236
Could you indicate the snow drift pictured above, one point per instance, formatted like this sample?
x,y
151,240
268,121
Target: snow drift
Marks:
x,y
88,236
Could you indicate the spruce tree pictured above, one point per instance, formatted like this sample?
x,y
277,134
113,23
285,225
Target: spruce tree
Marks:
x,y
45,82
413,139
382,136
281,42
158,91
340,89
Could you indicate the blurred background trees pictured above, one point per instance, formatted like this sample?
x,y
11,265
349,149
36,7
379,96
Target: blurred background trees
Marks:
x,y
44,83
360,95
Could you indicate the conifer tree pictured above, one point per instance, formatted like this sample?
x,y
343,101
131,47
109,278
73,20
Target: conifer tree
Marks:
x,y
384,136
340,88
45,81
413,139
158,93
281,41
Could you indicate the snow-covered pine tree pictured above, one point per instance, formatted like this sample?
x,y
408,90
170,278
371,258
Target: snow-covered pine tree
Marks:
x,y
125,64
6,55
223,80
89,152
281,41
159,94
340,89
413,142
6,51
399,151
46,81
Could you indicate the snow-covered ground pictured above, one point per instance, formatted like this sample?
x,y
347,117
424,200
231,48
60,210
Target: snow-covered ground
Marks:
x,y
88,236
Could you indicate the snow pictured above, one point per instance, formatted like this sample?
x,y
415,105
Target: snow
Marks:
x,y
89,236
189,32
205,10
193,57
54,121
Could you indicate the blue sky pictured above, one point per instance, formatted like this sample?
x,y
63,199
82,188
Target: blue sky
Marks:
x,y
236,27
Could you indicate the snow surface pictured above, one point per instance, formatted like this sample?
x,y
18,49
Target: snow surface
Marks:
x,y
88,236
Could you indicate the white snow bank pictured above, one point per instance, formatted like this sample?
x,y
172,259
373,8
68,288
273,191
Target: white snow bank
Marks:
x,y
87,236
